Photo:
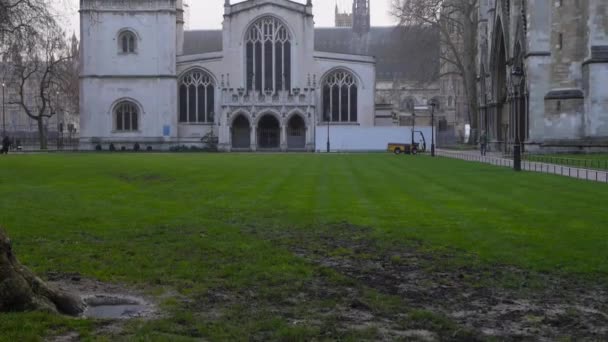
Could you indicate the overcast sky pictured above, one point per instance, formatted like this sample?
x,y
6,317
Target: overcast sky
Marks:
x,y
207,14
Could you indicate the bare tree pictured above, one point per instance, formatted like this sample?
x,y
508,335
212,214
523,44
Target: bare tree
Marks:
x,y
21,17
457,22
43,76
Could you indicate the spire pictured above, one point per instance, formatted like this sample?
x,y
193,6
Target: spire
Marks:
x,y
74,41
361,16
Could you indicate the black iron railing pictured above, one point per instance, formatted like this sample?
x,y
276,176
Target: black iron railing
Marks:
x,y
593,164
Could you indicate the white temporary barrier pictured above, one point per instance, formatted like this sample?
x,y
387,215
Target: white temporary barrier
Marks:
x,y
361,139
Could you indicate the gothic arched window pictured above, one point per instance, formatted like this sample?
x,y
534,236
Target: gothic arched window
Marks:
x,y
340,97
268,52
196,98
127,41
126,117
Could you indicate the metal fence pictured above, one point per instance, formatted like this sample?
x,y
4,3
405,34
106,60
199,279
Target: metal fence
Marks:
x,y
596,164
30,141
588,174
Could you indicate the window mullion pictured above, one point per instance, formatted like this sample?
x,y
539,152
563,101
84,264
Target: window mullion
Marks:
x,y
196,111
205,111
253,79
263,46
331,104
188,104
274,66
283,65
340,103
350,119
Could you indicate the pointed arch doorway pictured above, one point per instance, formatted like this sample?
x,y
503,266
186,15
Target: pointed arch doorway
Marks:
x,y
269,132
296,133
241,133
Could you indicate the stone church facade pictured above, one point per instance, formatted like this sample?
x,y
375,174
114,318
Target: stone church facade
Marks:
x,y
258,84
562,48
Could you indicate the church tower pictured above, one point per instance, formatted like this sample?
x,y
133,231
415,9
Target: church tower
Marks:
x,y
361,16
343,19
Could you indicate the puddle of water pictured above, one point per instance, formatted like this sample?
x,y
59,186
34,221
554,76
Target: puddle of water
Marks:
x,y
115,307
114,311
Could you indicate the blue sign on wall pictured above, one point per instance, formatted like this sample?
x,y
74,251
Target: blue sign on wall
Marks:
x,y
166,130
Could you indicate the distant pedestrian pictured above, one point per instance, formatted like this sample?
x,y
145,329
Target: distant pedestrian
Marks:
x,y
6,144
483,143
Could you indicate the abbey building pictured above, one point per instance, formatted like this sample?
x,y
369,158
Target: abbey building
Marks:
x,y
258,85
559,48
268,80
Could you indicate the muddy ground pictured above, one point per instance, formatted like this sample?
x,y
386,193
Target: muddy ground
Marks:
x,y
439,298
366,289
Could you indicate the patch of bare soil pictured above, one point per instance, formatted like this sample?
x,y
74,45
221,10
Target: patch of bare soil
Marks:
x,y
144,178
484,302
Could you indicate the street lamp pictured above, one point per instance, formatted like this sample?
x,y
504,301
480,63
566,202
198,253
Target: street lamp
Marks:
x,y
517,75
3,114
328,144
413,125
432,104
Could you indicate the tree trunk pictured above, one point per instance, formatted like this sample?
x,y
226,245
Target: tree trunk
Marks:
x,y
21,290
470,67
41,133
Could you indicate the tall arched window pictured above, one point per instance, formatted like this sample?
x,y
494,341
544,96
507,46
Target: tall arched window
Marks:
x,y
196,98
126,117
268,50
340,97
127,42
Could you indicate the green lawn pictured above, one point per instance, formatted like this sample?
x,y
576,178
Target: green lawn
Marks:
x,y
182,226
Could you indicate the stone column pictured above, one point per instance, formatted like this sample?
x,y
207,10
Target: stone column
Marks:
x,y
253,137
179,41
223,132
595,71
537,64
283,137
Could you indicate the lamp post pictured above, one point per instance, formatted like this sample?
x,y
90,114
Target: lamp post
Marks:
x,y
3,114
413,125
433,104
328,144
517,75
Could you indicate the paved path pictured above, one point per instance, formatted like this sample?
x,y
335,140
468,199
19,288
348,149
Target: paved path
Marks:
x,y
555,169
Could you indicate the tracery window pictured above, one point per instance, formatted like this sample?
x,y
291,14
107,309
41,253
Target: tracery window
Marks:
x,y
268,52
196,98
340,97
127,42
126,117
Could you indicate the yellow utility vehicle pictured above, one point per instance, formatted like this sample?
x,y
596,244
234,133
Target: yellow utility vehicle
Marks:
x,y
398,148
409,148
